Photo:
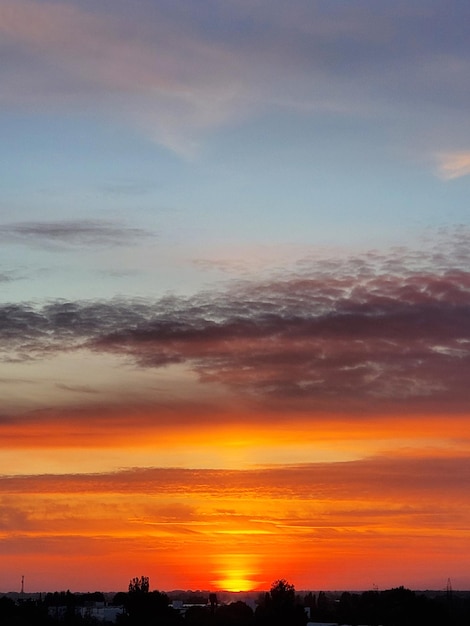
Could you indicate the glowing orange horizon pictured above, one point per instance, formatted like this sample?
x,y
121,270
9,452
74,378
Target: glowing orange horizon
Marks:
x,y
236,430
324,525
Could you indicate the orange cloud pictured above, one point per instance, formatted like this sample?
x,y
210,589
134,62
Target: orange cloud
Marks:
x,y
350,519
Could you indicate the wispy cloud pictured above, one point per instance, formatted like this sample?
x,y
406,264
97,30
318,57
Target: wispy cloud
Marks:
x,y
175,75
330,479
154,68
71,233
391,495
453,165
6,277
77,388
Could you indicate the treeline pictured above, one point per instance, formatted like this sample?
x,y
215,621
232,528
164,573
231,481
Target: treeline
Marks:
x,y
48,610
281,606
392,607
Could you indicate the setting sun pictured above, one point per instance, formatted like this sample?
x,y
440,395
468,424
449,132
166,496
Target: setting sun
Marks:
x,y
236,572
234,582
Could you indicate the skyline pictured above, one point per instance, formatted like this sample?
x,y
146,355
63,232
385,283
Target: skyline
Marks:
x,y
235,294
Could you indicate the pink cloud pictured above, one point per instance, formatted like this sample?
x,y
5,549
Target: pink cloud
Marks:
x,y
157,73
452,165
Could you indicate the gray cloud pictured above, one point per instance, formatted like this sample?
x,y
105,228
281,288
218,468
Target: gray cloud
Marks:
x,y
77,388
71,233
366,333
10,276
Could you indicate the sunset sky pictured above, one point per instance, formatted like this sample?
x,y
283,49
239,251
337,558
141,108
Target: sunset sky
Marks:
x,y
234,294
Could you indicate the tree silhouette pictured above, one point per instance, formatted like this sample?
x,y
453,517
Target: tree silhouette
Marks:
x,y
139,585
234,614
280,607
197,616
146,608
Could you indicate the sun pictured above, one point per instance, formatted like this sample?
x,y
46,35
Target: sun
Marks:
x,y
235,581
236,572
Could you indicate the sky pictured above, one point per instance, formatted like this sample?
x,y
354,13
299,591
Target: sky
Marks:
x,y
234,294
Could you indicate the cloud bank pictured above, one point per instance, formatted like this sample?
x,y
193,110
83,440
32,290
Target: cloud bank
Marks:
x,y
365,333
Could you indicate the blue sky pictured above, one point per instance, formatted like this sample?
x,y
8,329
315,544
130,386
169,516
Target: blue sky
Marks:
x,y
219,126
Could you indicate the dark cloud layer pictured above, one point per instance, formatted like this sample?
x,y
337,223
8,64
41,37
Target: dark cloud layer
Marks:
x,y
339,334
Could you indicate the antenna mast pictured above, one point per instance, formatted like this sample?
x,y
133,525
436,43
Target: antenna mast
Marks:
x,y
449,590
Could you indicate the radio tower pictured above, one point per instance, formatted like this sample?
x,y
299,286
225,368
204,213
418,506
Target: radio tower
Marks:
x,y
449,590
22,585
450,608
